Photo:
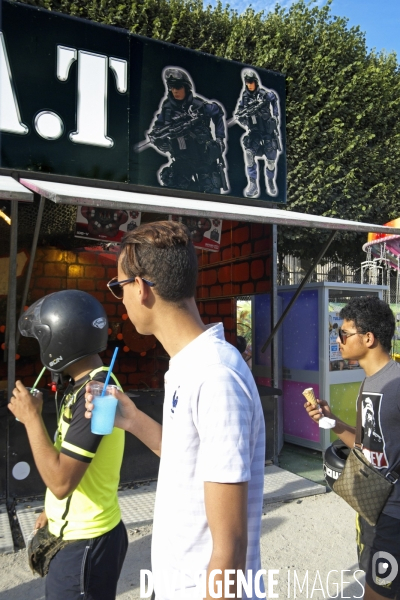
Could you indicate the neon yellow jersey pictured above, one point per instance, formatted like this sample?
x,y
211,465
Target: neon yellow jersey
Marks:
x,y
92,509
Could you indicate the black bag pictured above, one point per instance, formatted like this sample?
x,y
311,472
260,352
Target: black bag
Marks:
x,y
42,547
360,484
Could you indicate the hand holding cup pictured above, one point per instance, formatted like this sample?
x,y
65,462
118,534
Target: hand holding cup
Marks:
x,y
24,405
104,408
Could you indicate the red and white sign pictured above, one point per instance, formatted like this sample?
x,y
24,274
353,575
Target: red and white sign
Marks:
x,y
105,224
205,231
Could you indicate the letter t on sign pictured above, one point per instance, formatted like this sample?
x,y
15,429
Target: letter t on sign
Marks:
x,y
91,113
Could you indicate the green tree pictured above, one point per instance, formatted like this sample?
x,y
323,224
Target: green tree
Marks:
x,y
343,131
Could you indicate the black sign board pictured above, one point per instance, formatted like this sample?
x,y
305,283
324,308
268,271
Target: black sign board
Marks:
x,y
91,101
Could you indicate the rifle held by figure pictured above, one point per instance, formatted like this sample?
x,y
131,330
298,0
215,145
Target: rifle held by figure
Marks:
x,y
251,110
178,127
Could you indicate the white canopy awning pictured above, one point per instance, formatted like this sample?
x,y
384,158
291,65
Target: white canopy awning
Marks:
x,y
65,193
10,189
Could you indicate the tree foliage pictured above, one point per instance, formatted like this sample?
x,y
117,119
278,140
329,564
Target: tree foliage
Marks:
x,y
343,131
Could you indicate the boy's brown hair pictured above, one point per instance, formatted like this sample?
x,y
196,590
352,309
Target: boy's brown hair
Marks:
x,y
162,252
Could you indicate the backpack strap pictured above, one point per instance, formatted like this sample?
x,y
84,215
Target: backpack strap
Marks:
x,y
357,442
90,377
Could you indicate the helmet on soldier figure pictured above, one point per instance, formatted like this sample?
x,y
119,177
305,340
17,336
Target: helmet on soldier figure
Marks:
x,y
250,76
176,78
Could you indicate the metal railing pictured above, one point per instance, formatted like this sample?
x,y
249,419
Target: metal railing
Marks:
x,y
373,272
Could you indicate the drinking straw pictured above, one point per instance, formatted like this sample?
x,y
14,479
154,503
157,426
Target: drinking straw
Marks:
x,y
114,356
38,379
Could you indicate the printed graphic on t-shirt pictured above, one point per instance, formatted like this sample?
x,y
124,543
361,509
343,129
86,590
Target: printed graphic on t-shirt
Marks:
x,y
373,442
174,400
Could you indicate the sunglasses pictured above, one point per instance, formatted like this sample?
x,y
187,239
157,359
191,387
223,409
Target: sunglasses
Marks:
x,y
343,335
117,289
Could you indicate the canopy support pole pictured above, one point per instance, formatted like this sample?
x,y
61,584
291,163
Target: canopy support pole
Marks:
x,y
298,291
31,261
10,349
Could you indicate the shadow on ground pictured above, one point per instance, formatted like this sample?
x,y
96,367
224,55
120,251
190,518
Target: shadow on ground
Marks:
x,y
304,462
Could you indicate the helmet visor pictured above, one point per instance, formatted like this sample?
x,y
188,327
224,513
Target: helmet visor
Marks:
x,y
30,325
175,83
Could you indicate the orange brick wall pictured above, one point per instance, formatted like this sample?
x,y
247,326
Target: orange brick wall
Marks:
x,y
56,270
241,267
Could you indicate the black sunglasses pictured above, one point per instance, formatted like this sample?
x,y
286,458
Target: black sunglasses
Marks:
x,y
117,289
343,335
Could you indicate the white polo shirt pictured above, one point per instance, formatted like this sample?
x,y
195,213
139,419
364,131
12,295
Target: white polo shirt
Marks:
x,y
213,430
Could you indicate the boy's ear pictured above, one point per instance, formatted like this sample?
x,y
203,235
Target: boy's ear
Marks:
x,y
370,339
143,289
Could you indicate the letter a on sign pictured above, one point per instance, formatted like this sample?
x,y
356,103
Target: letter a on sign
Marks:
x,y
10,119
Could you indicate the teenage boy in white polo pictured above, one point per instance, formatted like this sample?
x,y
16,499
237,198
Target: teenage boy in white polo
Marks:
x,y
212,442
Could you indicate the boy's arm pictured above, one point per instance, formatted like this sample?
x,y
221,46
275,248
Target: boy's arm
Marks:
x,y
147,430
345,432
229,422
133,420
60,473
228,530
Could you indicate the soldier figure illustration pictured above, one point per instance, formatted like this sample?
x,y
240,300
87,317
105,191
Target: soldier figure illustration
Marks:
x,y
183,129
258,113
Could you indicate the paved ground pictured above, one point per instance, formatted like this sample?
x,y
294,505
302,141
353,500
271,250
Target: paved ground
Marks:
x,y
309,539
137,505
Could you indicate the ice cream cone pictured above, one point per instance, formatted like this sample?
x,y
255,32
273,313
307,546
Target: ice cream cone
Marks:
x,y
309,395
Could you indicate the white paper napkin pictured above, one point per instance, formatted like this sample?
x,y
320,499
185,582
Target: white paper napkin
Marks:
x,y
327,423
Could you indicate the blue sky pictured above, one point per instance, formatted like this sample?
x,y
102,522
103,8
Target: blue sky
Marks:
x,y
380,21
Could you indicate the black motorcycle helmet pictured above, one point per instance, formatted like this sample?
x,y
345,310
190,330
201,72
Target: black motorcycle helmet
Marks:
x,y
176,78
68,325
334,460
241,343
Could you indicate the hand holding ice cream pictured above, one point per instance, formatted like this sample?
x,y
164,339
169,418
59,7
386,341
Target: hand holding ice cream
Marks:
x,y
317,409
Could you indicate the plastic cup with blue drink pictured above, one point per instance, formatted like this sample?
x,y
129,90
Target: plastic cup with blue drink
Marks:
x,y
104,408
